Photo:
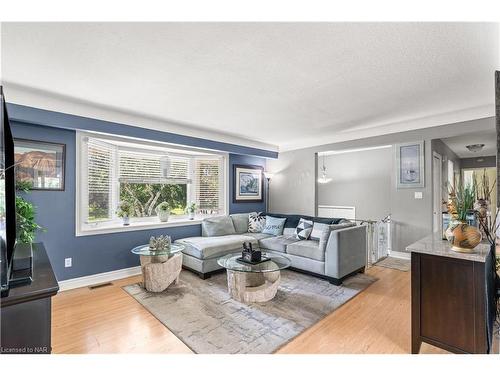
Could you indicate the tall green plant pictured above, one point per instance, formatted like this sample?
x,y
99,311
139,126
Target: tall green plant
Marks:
x,y
462,198
26,227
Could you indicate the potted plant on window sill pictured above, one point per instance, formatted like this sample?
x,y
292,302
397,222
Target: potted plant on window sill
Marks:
x,y
163,211
191,210
124,211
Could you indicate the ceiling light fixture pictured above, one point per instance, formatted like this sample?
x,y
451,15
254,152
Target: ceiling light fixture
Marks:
x,y
324,177
475,147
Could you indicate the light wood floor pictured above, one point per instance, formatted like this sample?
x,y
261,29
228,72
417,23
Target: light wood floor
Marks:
x,y
108,320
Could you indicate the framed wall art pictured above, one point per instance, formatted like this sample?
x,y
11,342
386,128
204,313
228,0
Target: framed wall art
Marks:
x,y
248,183
41,164
410,165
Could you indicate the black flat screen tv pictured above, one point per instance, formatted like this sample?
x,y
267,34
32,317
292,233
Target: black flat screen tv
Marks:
x,y
7,195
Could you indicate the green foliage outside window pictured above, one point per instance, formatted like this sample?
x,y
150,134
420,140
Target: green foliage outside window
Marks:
x,y
144,198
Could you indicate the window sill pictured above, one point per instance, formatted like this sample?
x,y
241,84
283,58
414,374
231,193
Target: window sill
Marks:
x,y
116,227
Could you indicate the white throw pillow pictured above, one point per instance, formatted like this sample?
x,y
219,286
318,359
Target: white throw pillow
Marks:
x,y
317,230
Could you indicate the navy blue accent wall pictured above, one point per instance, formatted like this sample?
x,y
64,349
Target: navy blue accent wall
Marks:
x,y
244,207
29,115
97,253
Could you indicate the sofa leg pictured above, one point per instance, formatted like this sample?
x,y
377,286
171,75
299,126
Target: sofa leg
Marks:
x,y
204,276
336,282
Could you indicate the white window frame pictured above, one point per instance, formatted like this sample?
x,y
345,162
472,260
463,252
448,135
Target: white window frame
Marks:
x,y
115,226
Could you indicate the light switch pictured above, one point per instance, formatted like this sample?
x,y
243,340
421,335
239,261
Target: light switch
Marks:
x,y
418,195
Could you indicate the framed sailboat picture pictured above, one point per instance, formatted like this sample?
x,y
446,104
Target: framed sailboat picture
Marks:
x,y
410,165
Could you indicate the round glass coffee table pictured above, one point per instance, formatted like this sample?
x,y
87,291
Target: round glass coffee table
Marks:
x,y
253,282
160,267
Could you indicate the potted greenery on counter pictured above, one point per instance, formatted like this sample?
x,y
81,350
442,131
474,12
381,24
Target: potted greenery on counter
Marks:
x,y
462,236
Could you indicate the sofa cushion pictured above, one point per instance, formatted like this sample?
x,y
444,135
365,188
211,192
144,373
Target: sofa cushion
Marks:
x,y
210,247
256,222
217,226
278,243
258,236
240,222
274,226
307,249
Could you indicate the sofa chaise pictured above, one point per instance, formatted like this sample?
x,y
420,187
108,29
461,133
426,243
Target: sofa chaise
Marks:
x,y
341,253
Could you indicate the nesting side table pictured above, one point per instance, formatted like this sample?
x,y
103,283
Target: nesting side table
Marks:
x,y
160,268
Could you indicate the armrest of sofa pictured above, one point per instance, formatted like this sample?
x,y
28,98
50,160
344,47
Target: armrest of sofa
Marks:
x,y
345,251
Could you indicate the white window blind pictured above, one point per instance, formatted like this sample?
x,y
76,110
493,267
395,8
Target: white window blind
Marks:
x,y
100,164
142,167
208,185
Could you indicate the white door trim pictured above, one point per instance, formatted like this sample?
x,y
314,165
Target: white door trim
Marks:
x,y
437,189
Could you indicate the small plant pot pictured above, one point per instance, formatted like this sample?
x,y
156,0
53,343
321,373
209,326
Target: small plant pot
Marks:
x,y
163,216
126,220
191,215
463,237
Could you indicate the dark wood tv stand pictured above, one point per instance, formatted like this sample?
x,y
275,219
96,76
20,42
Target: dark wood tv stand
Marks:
x,y
26,310
452,297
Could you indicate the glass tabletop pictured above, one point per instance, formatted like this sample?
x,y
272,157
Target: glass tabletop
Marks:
x,y
277,262
145,251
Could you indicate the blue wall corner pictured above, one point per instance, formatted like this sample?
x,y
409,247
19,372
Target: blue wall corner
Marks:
x,y
244,207
97,253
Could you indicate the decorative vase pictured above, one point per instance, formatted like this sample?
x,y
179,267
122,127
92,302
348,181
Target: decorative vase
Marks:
x,y
191,215
163,215
126,220
463,237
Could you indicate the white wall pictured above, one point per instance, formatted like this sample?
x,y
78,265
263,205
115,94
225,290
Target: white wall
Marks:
x,y
360,179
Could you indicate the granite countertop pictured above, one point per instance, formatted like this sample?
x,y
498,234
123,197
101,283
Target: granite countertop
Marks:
x,y
435,245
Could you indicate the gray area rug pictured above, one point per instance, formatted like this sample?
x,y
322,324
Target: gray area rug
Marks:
x,y
202,315
395,263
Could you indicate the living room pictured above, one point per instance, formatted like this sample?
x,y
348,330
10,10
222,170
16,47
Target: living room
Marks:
x,y
250,188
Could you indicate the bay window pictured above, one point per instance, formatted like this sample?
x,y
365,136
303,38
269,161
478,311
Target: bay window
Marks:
x,y
111,170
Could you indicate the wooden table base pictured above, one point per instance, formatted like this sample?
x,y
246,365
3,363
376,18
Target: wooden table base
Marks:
x,y
158,272
250,287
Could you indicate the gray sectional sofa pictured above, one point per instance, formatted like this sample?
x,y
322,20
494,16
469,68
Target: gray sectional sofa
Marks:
x,y
343,254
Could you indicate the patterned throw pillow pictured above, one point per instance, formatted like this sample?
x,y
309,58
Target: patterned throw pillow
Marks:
x,y
256,222
304,229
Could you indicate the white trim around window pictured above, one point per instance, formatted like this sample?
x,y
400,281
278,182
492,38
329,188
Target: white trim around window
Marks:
x,y
114,224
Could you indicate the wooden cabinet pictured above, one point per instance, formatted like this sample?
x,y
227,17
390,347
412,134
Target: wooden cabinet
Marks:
x,y
26,310
453,300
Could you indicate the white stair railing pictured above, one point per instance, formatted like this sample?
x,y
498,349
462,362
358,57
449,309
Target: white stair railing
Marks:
x,y
378,239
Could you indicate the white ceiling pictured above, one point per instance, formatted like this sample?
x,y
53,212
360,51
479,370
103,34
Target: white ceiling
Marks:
x,y
488,138
290,85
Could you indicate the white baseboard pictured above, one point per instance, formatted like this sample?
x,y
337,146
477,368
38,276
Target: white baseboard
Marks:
x,y
400,254
98,278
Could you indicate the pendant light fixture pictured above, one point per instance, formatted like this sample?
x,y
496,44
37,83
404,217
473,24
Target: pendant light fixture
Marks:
x,y
323,179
